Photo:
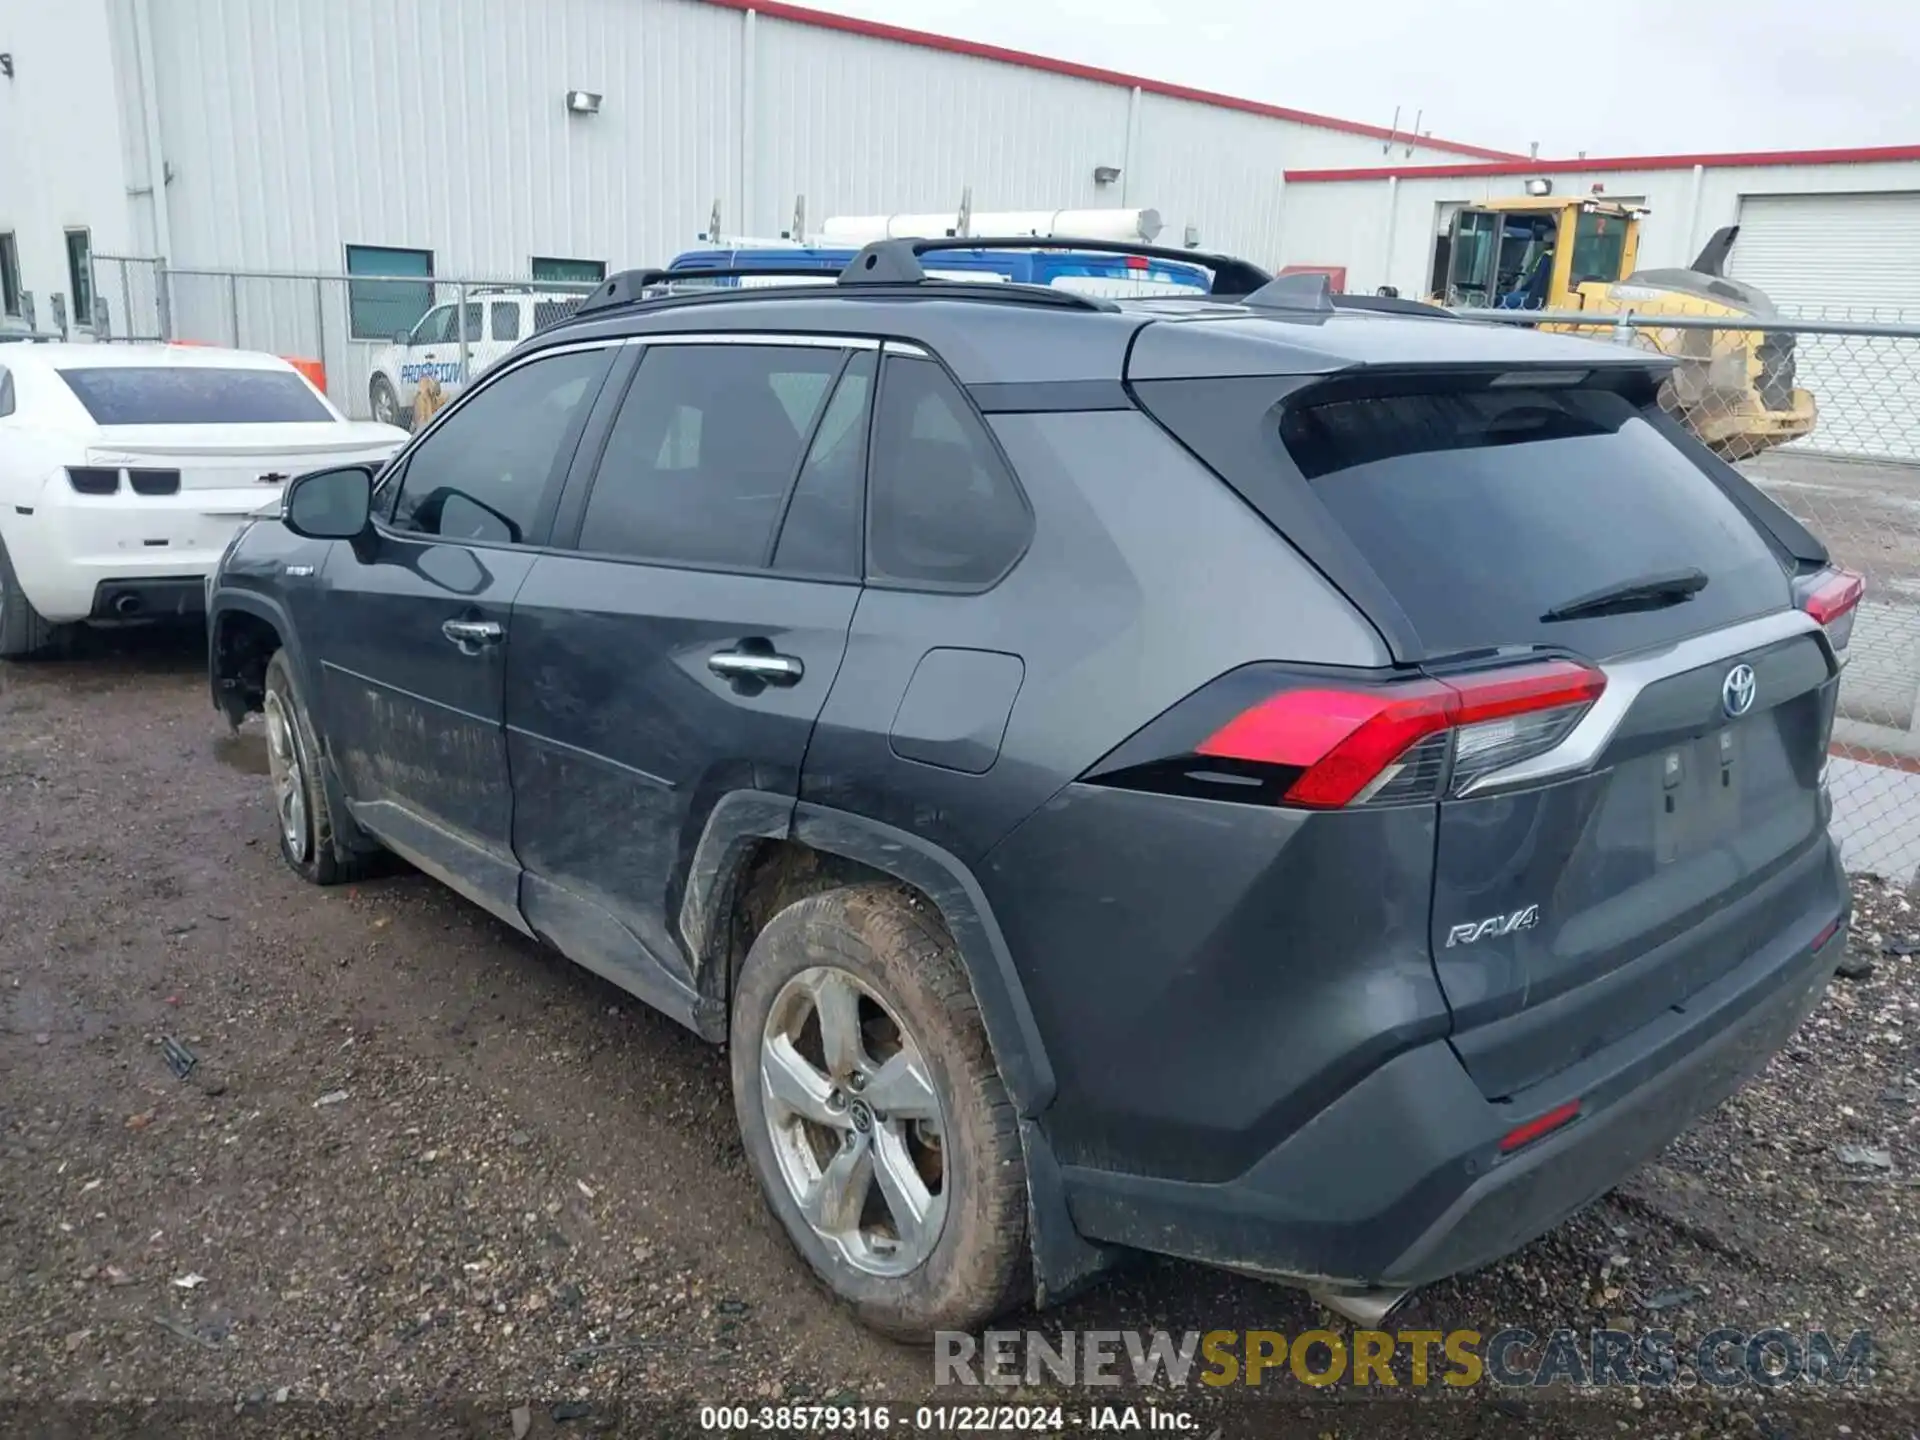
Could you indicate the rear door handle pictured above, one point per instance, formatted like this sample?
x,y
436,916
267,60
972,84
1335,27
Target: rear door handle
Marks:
x,y
750,665
472,635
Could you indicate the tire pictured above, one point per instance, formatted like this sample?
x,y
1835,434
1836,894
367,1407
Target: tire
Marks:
x,y
934,1101
25,634
302,813
386,404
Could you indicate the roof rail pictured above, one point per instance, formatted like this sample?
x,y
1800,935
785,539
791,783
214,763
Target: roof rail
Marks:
x,y
1392,305
630,287
897,262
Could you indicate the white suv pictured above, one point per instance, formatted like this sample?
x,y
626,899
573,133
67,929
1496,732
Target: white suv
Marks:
x,y
496,321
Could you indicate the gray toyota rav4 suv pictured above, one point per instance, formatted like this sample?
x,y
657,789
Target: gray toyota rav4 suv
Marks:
x,y
1309,785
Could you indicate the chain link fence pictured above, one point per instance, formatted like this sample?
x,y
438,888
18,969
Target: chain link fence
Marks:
x,y
372,342
1822,411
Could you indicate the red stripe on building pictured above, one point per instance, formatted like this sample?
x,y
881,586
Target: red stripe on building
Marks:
x,y
925,40
1739,159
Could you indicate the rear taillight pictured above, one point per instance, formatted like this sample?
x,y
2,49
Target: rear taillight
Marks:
x,y
154,482
89,480
1401,742
1833,598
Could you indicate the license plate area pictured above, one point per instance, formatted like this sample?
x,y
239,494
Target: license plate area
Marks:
x,y
1698,784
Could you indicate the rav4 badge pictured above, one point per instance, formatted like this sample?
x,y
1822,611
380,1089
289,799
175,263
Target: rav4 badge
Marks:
x,y
1494,925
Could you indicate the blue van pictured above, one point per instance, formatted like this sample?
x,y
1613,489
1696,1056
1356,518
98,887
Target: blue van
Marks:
x,y
1084,272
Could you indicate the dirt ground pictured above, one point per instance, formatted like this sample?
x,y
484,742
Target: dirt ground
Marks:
x,y
422,1162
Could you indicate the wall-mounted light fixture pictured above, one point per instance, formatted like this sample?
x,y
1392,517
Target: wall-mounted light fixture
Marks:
x,y
583,102
1192,238
1105,174
1541,186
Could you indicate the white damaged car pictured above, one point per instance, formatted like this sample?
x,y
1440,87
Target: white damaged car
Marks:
x,y
126,469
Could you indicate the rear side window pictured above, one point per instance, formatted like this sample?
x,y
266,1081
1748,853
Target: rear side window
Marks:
x,y
704,452
1483,510
193,395
506,320
944,510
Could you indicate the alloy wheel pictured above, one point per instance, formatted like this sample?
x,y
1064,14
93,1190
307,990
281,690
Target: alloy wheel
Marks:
x,y
289,781
856,1123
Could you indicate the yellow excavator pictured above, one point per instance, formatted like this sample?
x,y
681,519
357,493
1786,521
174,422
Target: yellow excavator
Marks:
x,y
1733,387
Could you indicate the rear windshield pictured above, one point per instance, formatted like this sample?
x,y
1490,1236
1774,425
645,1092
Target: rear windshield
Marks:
x,y
193,395
1483,510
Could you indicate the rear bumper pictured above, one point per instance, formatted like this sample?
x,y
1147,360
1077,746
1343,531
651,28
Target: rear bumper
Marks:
x,y
75,552
1400,1181
149,598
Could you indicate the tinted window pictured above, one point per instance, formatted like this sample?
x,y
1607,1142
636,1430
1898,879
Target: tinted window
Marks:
x,y
474,318
193,395
944,509
704,451
1482,510
482,474
381,309
9,274
80,275
549,268
1599,244
6,393
821,534
435,327
506,320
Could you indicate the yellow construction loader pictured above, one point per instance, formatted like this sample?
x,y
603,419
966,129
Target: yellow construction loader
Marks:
x,y
1733,387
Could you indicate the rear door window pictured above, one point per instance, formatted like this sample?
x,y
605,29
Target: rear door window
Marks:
x,y
193,395
704,452
1483,510
821,532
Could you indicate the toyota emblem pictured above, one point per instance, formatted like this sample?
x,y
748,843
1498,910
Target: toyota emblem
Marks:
x,y
1737,690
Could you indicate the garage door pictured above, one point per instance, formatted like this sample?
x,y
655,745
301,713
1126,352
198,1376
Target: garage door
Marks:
x,y
1844,257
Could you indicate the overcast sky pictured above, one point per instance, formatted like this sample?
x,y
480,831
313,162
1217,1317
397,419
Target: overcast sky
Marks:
x,y
1613,76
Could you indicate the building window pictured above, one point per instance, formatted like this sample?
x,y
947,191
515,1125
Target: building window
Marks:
x,y
379,309
569,272
9,274
80,276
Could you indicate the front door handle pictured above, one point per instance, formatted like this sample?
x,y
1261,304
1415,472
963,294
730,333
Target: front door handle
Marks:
x,y
472,635
767,668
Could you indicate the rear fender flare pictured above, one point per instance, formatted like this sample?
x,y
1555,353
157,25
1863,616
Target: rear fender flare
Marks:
x,y
1063,1261
744,816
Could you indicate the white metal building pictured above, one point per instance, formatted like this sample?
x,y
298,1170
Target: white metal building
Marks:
x,y
437,137
1820,230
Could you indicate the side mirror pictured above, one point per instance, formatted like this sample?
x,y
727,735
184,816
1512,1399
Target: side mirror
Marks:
x,y
403,337
330,504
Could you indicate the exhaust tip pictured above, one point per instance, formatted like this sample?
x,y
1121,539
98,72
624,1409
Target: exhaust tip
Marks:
x,y
1367,1309
128,604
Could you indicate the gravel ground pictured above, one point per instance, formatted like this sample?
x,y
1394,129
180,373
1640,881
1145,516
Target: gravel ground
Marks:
x,y
1868,512
422,1162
